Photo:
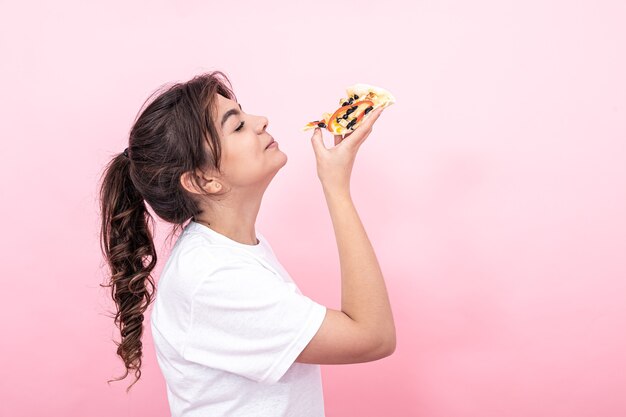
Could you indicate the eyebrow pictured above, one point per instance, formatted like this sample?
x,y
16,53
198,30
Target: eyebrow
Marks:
x,y
228,114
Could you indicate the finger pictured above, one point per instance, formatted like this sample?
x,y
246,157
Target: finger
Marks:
x,y
363,129
365,125
317,140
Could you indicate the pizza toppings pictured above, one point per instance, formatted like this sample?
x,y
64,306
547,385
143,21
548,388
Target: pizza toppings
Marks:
x,y
362,99
346,117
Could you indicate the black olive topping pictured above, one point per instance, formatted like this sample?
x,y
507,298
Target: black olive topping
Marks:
x,y
345,115
351,109
356,97
321,124
351,100
345,103
352,122
369,109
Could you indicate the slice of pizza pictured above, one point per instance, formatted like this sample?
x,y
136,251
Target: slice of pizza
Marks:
x,y
362,99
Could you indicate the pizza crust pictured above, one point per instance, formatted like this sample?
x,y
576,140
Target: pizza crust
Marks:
x,y
380,96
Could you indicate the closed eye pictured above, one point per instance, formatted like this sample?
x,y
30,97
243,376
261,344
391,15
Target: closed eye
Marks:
x,y
239,127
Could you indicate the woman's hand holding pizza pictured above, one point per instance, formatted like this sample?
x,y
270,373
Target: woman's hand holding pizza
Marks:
x,y
334,165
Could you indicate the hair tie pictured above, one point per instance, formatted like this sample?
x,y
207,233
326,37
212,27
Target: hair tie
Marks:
x,y
125,152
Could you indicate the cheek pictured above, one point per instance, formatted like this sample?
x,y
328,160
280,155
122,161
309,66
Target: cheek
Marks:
x,y
242,163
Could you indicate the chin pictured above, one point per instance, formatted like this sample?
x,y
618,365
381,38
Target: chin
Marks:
x,y
285,159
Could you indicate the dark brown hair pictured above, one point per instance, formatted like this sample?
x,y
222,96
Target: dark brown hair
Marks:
x,y
166,140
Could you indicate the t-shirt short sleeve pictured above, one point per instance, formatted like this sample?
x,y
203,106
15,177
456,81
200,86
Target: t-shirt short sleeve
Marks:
x,y
249,321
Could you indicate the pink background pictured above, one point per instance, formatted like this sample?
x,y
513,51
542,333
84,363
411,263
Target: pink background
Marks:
x,y
493,191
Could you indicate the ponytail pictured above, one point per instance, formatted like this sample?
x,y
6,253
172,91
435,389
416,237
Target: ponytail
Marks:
x,y
127,245
174,134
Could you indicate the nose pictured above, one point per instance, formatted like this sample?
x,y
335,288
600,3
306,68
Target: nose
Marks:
x,y
262,125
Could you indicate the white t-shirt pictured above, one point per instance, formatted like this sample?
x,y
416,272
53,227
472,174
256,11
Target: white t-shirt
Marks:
x,y
228,323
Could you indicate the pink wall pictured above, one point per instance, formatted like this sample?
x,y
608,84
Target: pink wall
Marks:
x,y
493,191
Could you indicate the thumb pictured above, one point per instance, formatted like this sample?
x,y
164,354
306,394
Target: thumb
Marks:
x,y
317,140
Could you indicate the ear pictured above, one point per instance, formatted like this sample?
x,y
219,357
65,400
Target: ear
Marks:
x,y
193,181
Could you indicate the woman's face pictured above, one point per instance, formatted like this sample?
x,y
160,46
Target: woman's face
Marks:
x,y
246,159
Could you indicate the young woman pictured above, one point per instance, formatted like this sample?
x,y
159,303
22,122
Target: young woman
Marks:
x,y
234,336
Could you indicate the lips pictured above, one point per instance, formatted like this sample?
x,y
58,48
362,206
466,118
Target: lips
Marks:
x,y
272,141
